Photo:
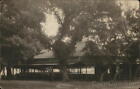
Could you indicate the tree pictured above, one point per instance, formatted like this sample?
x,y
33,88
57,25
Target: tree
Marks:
x,y
106,28
72,27
106,32
132,49
21,35
77,21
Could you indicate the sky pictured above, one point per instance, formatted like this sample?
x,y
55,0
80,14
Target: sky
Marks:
x,y
130,4
50,26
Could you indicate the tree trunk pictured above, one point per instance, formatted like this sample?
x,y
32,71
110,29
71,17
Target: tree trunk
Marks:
x,y
104,72
65,76
1,68
130,71
136,71
99,72
64,71
102,75
23,69
9,72
112,71
117,72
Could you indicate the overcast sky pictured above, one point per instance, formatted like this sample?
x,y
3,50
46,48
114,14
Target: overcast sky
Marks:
x,y
51,26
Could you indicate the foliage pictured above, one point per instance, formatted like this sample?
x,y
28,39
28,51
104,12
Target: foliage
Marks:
x,y
21,36
133,48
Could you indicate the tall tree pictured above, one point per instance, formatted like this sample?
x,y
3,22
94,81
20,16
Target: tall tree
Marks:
x,y
104,32
72,27
87,19
133,46
21,35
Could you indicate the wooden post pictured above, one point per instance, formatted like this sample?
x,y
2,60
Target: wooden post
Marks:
x,y
52,69
80,70
4,71
86,69
12,70
15,70
20,70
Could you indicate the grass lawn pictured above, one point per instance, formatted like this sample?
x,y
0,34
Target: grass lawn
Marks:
x,y
15,84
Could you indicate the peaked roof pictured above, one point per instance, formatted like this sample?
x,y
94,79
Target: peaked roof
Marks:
x,y
47,57
46,53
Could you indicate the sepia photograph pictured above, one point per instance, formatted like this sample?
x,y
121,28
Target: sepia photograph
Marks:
x,y
69,44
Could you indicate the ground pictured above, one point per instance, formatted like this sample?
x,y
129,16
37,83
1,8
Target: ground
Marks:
x,y
14,84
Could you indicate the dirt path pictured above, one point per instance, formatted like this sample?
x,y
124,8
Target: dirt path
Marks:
x,y
14,84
